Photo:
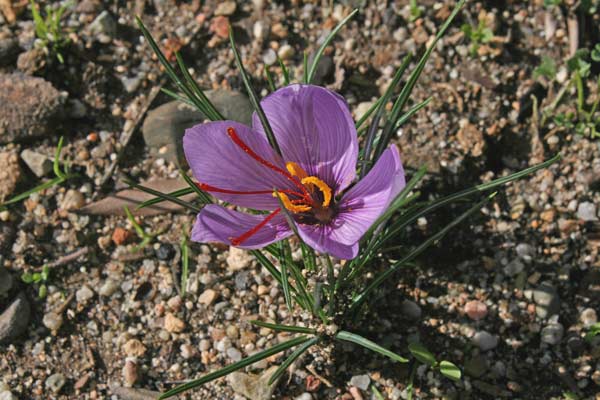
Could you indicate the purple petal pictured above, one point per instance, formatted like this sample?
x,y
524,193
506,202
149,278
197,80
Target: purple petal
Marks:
x,y
358,208
217,161
219,224
314,128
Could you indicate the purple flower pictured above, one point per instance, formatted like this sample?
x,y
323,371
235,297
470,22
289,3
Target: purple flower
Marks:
x,y
313,176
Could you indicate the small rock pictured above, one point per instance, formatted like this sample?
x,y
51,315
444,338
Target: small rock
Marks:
x,y
55,382
130,373
14,320
165,125
242,280
84,294
546,300
104,27
31,61
234,354
553,333
52,321
514,267
9,49
525,251
410,309
207,297
38,163
476,366
73,200
254,387
109,287
165,251
286,52
131,84
304,396
260,30
361,381
187,351
10,173
226,8
269,57
485,341
120,236
173,324
586,211
7,395
588,317
6,281
38,105
134,348
476,310
238,259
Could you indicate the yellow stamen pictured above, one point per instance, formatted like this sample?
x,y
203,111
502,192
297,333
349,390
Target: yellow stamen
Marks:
x,y
326,190
287,203
296,170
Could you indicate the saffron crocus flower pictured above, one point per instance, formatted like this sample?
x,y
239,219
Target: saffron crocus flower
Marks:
x,y
314,177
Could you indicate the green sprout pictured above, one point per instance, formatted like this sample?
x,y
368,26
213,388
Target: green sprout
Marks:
x,y
61,176
415,11
49,30
38,278
478,35
147,238
185,263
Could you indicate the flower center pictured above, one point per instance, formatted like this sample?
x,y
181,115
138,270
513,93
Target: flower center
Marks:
x,y
311,195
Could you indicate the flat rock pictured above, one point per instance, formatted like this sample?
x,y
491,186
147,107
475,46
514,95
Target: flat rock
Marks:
x,y
254,387
38,163
164,126
14,320
29,104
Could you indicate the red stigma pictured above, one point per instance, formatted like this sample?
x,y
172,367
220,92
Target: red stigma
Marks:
x,y
242,238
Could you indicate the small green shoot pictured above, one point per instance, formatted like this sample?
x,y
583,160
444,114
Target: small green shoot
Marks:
x,y
477,35
593,331
415,11
185,263
147,238
49,30
546,69
38,278
61,176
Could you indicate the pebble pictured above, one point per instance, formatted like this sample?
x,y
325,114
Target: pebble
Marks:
x,y
410,309
476,310
165,251
9,49
7,395
14,320
242,280
55,382
546,300
130,373
238,259
84,294
38,163
108,288
253,386
226,8
552,333
207,297
476,366
73,200
588,317
361,381
10,173
525,251
6,281
173,324
234,354
586,211
485,340
52,321
269,57
286,52
514,267
104,27
134,348
259,30
304,396
187,351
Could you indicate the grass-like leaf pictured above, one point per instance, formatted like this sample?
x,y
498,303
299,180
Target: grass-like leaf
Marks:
x,y
204,197
285,283
366,343
185,263
292,357
165,196
157,200
269,77
315,62
234,367
284,71
284,328
382,277
400,102
252,95
422,354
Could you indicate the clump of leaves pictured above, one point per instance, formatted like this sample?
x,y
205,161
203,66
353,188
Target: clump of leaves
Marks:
x,y
49,30
61,176
584,116
146,237
38,278
415,11
477,35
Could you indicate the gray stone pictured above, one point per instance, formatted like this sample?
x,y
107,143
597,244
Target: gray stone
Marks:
x,y
552,333
588,317
234,354
361,381
6,281
108,288
52,321
131,84
226,8
9,49
84,294
254,387
546,300
485,341
14,320
7,395
525,251
514,267
164,126
410,309
104,26
29,106
586,211
55,382
242,280
38,163
476,366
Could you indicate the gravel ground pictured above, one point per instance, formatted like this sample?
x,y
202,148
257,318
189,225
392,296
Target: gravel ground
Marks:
x,y
508,296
